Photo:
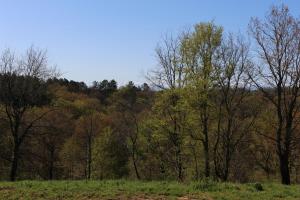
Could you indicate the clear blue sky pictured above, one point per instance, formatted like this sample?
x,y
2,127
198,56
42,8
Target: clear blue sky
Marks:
x,y
114,39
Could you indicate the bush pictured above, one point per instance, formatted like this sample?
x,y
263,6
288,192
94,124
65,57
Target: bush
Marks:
x,y
258,187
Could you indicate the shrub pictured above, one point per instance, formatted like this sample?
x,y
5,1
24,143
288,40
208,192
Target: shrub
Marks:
x,y
258,187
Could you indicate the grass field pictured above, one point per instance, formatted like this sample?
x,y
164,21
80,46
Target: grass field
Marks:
x,y
121,189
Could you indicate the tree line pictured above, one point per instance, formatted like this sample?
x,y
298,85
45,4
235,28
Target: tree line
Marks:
x,y
215,107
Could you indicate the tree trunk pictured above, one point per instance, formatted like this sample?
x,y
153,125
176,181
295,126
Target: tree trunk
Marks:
x,y
226,170
196,163
134,149
51,171
206,149
206,157
14,164
284,169
179,164
51,165
89,158
135,167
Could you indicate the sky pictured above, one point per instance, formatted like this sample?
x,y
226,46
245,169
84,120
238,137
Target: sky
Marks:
x,y
92,40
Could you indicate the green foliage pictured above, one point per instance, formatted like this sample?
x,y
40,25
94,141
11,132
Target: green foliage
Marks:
x,y
110,156
71,155
23,91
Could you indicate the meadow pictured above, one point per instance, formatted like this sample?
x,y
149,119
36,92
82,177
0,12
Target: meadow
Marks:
x,y
124,189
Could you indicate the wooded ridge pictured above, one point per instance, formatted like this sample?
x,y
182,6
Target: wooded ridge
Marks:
x,y
214,108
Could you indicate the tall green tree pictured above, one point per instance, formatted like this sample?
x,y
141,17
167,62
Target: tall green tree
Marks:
x,y
169,131
199,49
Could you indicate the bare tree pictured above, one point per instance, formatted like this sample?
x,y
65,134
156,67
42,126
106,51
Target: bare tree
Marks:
x,y
278,75
233,85
170,73
22,86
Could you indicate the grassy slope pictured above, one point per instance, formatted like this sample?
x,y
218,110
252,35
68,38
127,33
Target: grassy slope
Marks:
x,y
143,190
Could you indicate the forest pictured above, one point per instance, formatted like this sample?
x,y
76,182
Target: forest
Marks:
x,y
220,106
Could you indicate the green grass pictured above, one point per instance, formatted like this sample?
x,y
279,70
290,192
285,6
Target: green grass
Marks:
x,y
121,189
